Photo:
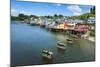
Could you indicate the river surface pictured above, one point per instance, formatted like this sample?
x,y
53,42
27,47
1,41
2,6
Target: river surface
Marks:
x,y
27,42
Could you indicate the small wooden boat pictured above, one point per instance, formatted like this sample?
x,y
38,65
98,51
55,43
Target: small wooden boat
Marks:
x,y
61,46
47,54
75,37
69,41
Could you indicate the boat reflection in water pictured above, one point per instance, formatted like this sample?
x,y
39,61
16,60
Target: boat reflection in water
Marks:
x,y
46,61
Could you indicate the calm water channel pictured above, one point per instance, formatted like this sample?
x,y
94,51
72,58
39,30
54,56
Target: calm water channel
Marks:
x,y
28,41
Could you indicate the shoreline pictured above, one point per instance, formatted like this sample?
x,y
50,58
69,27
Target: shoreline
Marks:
x,y
90,38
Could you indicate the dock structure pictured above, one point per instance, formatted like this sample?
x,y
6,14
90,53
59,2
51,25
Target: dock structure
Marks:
x,y
62,27
57,30
71,29
75,29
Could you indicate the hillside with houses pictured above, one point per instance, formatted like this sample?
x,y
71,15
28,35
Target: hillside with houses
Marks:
x,y
80,24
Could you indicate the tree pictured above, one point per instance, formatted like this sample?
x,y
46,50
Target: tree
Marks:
x,y
55,15
92,10
60,16
21,15
34,16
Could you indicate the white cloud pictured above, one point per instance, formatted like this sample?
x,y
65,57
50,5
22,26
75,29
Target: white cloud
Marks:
x,y
88,11
25,12
75,9
14,12
75,13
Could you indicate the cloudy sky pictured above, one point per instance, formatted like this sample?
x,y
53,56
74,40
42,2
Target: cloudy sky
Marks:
x,y
42,9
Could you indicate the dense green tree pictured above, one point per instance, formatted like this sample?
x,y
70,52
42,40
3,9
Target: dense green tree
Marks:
x,y
92,10
55,15
34,16
60,16
22,16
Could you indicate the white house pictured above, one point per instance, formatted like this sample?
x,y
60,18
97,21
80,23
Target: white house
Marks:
x,y
91,20
75,21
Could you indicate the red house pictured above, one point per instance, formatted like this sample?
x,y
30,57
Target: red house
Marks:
x,y
80,27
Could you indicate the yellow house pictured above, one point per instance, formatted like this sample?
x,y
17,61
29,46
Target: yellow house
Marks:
x,y
60,26
68,26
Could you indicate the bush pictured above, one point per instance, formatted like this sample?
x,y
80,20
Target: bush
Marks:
x,y
92,33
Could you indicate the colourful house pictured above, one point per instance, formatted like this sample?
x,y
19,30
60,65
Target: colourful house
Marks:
x,y
81,27
60,26
66,25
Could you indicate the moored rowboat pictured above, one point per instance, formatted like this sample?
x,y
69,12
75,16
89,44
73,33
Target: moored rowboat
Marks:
x,y
69,41
47,54
61,46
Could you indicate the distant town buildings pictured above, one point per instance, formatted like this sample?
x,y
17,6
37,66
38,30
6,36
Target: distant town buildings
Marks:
x,y
75,21
64,23
91,20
